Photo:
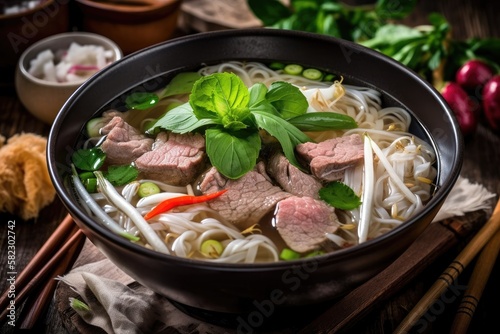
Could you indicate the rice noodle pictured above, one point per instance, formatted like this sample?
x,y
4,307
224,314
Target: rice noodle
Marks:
x,y
394,181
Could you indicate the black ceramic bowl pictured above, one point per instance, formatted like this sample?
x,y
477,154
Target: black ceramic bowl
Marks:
x,y
237,287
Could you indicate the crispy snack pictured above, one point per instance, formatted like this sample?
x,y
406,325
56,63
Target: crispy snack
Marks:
x,y
25,185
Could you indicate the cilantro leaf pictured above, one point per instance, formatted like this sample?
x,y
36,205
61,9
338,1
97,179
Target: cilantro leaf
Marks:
x,y
340,196
88,159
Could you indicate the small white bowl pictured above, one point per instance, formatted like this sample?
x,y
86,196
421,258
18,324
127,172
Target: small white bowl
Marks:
x,y
43,98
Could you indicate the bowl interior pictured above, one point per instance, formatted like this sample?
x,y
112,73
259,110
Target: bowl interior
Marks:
x,y
152,67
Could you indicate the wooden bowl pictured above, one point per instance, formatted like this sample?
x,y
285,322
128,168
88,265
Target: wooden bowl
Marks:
x,y
132,24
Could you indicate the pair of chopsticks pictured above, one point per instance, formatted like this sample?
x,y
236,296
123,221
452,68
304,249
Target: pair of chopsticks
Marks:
x,y
36,283
486,241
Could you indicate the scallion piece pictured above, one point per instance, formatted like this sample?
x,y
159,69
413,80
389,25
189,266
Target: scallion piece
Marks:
x,y
276,66
211,248
147,189
293,69
288,254
312,74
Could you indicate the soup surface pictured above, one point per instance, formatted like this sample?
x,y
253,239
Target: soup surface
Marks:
x,y
245,162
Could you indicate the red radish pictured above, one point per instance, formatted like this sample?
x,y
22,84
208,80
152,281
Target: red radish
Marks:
x,y
474,73
491,102
463,106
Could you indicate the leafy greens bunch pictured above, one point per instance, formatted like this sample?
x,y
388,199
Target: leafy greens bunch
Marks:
x,y
429,49
330,17
232,116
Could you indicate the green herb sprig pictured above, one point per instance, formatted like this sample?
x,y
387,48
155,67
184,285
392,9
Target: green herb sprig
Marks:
x,y
232,115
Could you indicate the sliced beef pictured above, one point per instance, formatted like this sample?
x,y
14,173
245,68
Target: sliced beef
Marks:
x,y
303,222
176,159
329,159
123,143
290,178
248,198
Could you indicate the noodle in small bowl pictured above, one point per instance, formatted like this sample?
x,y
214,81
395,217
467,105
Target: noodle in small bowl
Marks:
x,y
408,159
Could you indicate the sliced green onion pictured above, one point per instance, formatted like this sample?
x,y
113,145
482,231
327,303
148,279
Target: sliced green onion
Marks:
x,y
293,69
90,185
94,125
288,254
86,175
312,74
78,305
211,248
276,66
328,77
147,189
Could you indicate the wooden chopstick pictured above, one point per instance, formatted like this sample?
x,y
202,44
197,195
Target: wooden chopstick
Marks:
x,y
38,303
48,248
453,271
477,282
438,238
35,271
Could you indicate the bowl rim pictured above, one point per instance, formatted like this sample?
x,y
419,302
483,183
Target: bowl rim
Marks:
x,y
99,40
335,256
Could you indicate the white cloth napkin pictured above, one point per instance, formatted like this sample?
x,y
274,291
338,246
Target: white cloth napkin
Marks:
x,y
116,308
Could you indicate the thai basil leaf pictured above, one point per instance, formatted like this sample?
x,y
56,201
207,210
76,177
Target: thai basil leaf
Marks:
x,y
121,175
340,196
182,83
233,154
288,135
287,99
323,121
257,94
258,100
221,96
181,119
88,159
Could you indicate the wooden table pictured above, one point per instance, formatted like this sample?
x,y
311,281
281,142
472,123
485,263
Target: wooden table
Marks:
x,y
469,18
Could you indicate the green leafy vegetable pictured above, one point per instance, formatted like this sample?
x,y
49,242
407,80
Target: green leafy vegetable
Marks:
x,y
423,49
224,97
330,17
121,175
340,196
232,115
288,135
233,154
429,49
88,159
287,99
141,100
181,120
182,83
322,121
